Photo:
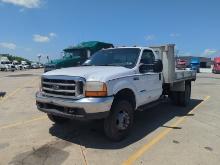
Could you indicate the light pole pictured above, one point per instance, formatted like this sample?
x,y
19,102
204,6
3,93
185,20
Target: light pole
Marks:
x,y
39,57
48,59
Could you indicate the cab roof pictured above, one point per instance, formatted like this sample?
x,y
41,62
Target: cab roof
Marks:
x,y
90,45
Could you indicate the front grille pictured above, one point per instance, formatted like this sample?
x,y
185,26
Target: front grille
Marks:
x,y
67,87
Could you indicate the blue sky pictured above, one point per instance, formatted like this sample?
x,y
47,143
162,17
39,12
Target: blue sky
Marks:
x,y
32,27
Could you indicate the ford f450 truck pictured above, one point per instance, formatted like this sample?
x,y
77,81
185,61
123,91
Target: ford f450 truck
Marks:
x,y
76,55
112,85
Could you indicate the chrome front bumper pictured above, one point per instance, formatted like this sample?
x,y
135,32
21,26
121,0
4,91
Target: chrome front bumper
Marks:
x,y
88,108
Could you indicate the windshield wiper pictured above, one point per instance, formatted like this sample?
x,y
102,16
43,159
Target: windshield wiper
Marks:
x,y
107,65
87,65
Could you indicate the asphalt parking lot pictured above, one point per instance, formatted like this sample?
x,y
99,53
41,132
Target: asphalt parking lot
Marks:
x,y
166,134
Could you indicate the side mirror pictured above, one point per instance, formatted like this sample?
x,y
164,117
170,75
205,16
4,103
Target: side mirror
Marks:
x,y
142,68
158,66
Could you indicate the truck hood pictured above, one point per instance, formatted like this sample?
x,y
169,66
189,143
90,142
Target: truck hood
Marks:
x,y
93,73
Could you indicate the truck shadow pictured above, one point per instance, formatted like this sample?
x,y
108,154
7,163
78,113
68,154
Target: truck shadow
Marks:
x,y
91,135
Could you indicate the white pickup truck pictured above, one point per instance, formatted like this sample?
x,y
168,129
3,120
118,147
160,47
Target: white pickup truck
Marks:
x,y
7,66
112,85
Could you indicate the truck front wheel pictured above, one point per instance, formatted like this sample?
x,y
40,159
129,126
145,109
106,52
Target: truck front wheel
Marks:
x,y
57,119
120,121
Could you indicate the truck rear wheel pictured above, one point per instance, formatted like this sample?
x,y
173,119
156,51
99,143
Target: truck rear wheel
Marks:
x,y
174,96
184,97
120,121
181,98
57,119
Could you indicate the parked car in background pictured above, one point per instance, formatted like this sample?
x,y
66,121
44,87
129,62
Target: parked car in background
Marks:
x,y
6,65
17,65
11,66
181,64
41,65
195,64
216,67
35,65
3,65
76,55
25,65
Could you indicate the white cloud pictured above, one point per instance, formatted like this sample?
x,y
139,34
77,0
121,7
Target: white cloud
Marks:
x,y
174,35
43,38
208,52
24,3
40,38
150,37
8,45
52,34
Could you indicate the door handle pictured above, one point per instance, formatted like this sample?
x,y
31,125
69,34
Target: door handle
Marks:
x,y
136,78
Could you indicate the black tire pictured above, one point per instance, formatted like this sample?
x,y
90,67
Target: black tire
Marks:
x,y
181,98
184,97
57,119
120,121
174,96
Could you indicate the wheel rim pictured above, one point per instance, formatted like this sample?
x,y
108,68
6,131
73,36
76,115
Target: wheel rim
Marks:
x,y
122,120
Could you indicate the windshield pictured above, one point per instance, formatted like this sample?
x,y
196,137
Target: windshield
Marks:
x,y
5,62
126,57
75,53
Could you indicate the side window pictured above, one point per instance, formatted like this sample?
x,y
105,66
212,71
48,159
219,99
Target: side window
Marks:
x,y
147,57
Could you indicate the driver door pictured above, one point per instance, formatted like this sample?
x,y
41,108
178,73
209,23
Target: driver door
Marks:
x,y
150,82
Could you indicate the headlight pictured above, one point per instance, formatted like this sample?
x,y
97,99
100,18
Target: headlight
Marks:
x,y
95,89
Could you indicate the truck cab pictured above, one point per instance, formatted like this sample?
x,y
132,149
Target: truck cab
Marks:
x,y
216,67
195,64
76,55
113,84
